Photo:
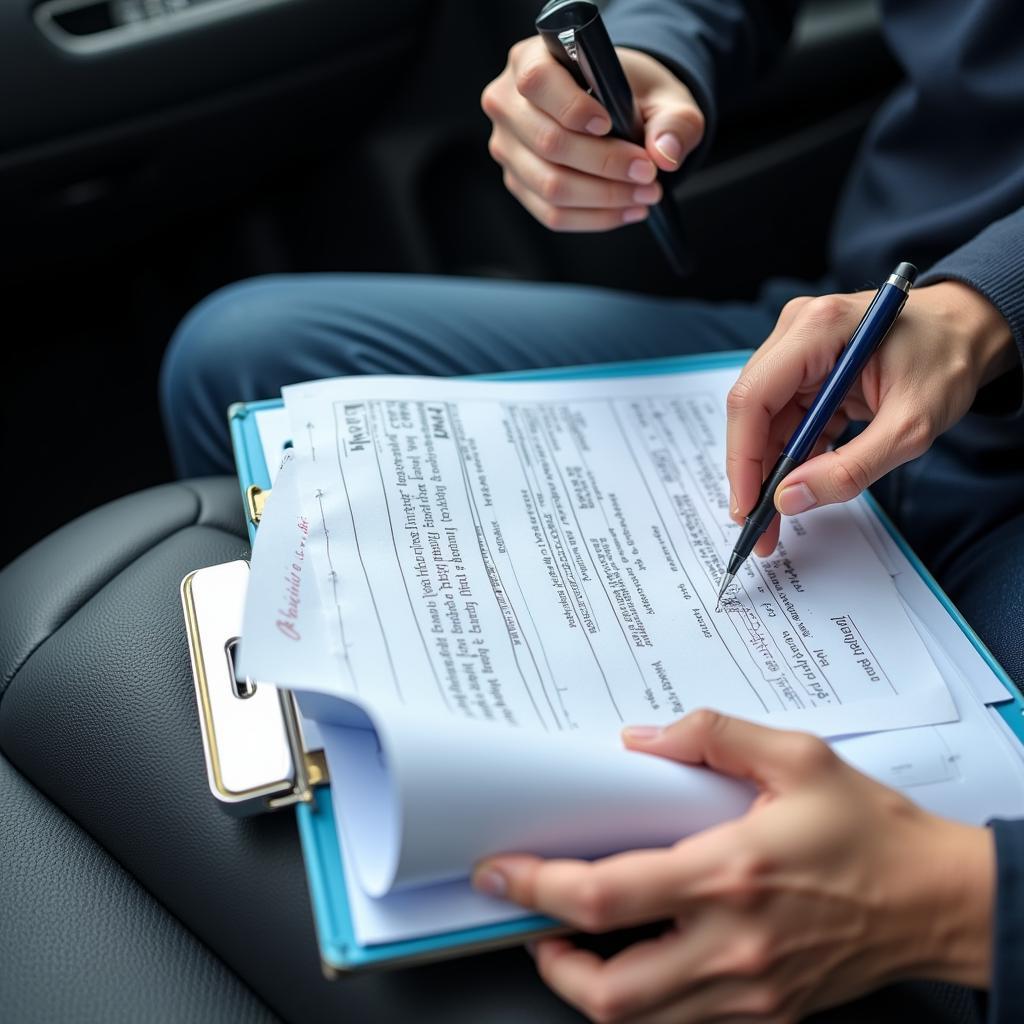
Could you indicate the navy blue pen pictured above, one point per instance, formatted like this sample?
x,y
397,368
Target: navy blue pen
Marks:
x,y
885,307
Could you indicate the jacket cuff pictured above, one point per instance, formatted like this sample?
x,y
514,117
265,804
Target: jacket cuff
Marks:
x,y
992,263
1007,993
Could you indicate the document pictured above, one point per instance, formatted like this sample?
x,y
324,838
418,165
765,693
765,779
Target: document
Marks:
x,y
546,555
419,798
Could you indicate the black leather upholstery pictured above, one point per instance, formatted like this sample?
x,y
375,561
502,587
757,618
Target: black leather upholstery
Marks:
x,y
99,719
81,941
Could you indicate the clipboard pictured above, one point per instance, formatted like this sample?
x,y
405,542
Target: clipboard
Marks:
x,y
307,785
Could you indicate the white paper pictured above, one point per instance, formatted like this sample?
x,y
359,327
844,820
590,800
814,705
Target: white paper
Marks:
x,y
927,610
452,789
548,554
964,770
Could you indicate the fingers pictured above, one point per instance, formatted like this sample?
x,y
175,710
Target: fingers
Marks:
x,y
631,983
795,362
612,159
888,441
550,137
540,79
560,218
770,757
564,187
627,889
674,129
673,123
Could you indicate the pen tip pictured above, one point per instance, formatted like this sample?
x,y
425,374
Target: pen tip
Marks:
x,y
726,582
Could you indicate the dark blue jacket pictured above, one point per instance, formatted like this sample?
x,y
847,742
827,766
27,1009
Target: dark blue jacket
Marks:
x,y
939,180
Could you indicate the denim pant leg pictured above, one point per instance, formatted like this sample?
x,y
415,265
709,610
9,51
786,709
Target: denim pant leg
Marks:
x,y
248,340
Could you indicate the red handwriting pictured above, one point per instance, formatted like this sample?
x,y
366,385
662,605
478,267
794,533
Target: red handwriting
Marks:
x,y
287,624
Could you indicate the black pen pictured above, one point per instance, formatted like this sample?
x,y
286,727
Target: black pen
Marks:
x,y
577,38
885,307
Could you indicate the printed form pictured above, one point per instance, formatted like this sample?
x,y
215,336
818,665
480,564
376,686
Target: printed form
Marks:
x,y
547,554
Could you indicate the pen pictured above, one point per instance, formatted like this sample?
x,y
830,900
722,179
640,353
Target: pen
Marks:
x,y
577,38
874,326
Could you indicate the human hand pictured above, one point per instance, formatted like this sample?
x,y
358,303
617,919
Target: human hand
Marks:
x,y
830,885
947,343
547,136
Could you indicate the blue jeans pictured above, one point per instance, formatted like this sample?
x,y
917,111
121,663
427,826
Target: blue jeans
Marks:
x,y
961,505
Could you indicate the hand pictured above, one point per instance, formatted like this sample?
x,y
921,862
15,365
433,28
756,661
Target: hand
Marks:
x,y
830,885
547,137
947,343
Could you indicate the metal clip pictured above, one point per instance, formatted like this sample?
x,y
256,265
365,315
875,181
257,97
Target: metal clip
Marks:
x,y
255,499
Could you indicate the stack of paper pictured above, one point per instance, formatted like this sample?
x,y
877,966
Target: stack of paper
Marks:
x,y
475,585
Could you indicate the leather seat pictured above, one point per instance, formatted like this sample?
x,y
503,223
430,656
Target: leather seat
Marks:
x,y
126,894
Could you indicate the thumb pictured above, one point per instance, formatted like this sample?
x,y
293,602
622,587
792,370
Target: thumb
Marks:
x,y
673,126
840,475
775,759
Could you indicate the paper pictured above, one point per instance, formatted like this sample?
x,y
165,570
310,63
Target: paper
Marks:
x,y
548,554
423,786
964,770
928,614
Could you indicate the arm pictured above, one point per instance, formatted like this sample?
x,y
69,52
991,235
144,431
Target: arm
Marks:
x,y
992,264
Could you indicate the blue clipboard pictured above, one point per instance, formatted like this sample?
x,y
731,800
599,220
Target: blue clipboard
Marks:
x,y
339,950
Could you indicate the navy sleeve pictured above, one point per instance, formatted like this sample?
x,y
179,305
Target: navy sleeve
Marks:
x,y
716,47
992,263
1006,996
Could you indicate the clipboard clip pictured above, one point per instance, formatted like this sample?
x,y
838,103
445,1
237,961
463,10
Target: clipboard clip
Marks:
x,y
255,500
257,758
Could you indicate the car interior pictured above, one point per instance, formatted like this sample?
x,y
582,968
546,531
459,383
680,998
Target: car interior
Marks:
x,y
152,151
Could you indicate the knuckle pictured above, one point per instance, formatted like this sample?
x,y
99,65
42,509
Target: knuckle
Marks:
x,y
848,476
611,164
827,311
751,958
550,187
795,305
704,720
592,905
568,112
494,148
739,397
555,218
530,77
489,100
743,885
549,140
810,755
605,1004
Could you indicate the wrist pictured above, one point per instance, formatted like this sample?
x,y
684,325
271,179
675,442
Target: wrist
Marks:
x,y
955,905
983,330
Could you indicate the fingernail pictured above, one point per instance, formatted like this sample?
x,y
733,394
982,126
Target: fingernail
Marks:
x,y
643,171
669,147
641,732
597,126
633,214
734,505
490,881
647,194
796,499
